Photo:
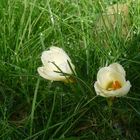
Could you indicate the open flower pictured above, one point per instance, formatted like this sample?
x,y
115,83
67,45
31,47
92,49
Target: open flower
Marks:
x,y
111,81
55,63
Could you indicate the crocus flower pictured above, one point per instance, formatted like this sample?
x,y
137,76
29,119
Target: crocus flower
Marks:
x,y
111,81
56,62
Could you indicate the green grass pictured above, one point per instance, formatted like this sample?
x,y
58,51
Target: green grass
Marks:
x,y
34,108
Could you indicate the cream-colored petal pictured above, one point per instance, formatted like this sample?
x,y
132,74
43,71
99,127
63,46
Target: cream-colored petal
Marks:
x,y
50,75
60,52
55,59
56,55
46,57
61,63
98,88
63,67
51,67
42,73
114,93
66,68
107,75
117,67
56,76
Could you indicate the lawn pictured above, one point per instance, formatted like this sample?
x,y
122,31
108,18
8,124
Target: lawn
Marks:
x,y
94,34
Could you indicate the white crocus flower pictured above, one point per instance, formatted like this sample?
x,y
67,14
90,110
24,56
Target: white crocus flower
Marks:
x,y
55,63
111,81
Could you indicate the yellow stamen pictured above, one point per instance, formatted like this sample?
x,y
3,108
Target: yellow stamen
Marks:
x,y
116,85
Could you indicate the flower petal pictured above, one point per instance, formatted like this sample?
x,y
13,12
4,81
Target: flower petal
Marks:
x,y
119,92
118,68
42,73
107,75
50,75
55,60
55,54
60,54
46,57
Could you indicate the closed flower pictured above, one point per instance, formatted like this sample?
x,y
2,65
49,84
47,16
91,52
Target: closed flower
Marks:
x,y
111,81
55,63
